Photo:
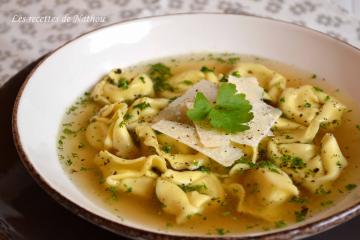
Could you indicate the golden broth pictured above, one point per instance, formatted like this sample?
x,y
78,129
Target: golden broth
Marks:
x,y
77,157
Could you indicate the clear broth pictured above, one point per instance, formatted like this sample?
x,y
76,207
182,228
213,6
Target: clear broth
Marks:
x,y
77,156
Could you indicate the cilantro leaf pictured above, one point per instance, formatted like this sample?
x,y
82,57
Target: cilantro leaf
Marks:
x,y
230,113
201,108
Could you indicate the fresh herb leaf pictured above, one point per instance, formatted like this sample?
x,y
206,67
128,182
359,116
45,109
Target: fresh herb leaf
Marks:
x,y
201,108
230,112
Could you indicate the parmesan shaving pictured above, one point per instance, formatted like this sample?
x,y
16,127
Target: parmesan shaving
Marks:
x,y
265,117
226,155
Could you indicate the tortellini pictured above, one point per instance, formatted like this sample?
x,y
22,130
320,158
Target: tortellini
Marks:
x,y
310,109
135,176
114,88
261,191
144,109
108,131
272,82
186,193
178,161
184,80
308,165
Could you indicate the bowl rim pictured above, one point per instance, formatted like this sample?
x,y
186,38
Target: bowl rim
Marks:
x,y
118,228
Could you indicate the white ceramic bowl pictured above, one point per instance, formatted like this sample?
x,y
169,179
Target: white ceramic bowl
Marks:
x,y
73,68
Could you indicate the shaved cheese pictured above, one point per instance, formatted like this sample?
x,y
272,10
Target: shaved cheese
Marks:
x,y
176,110
265,117
211,142
226,155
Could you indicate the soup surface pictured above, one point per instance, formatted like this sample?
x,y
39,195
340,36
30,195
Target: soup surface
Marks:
x,y
117,146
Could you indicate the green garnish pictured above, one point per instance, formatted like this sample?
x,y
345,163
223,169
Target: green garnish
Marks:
x,y
205,69
233,60
191,188
282,100
326,203
221,231
292,162
298,200
166,148
159,73
230,112
301,215
236,74
187,82
142,105
358,127
280,224
350,186
123,83
113,192
307,105
318,89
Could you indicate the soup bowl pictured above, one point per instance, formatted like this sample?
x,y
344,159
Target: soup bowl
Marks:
x,y
76,66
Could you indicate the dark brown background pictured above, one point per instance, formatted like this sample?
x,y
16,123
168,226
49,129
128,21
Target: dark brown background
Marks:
x,y
27,212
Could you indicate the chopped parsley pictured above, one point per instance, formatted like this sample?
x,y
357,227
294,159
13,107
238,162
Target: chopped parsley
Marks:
x,y
358,127
318,89
298,200
292,162
230,113
159,74
322,191
113,193
167,148
326,203
301,215
187,82
280,224
123,83
350,186
282,100
204,169
191,188
236,74
233,60
221,231
307,105
142,105
205,69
